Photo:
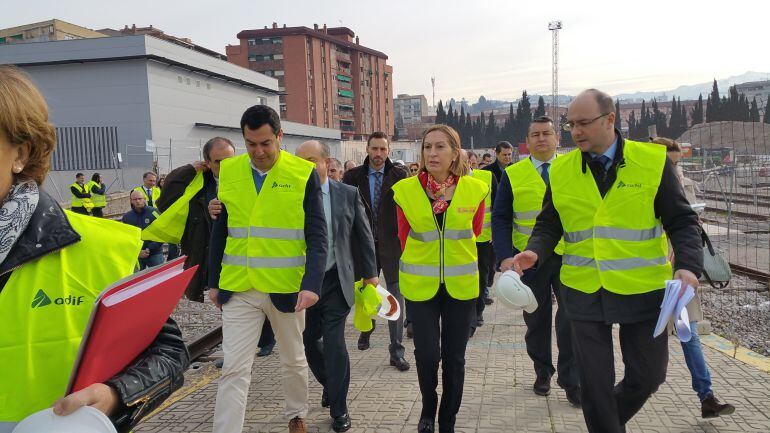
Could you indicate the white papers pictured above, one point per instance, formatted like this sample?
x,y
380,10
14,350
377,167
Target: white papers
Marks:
x,y
673,307
142,286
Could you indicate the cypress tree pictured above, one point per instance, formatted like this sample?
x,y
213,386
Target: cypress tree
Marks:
x,y
540,110
440,114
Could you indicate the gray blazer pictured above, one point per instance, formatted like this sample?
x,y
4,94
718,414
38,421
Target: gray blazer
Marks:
x,y
351,226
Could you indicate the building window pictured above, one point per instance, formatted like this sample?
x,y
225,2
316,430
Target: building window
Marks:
x,y
279,73
252,42
277,56
252,57
179,78
187,80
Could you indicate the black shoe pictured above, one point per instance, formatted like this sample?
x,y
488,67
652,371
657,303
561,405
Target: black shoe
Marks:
x,y
488,301
573,396
267,350
219,362
399,363
712,408
325,399
363,341
409,332
341,423
426,425
480,320
542,385
473,331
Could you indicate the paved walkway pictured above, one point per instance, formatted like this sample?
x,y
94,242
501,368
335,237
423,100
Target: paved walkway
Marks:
x,y
498,395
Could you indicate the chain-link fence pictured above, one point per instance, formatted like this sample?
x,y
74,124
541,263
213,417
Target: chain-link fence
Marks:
x,y
730,163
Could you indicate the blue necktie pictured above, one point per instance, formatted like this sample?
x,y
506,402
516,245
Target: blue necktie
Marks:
x,y
544,172
603,160
376,198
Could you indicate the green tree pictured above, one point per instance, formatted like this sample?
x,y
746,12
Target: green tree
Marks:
x,y
540,110
618,123
440,114
714,105
523,118
767,110
754,111
697,111
491,131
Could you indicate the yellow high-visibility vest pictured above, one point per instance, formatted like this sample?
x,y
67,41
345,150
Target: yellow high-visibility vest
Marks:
x,y
434,254
486,177
615,242
528,190
265,247
169,226
45,307
99,199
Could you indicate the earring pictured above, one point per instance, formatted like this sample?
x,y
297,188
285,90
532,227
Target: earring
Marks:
x,y
17,169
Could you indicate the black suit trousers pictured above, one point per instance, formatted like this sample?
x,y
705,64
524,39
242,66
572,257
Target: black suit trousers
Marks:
x,y
607,407
485,257
543,281
329,360
441,327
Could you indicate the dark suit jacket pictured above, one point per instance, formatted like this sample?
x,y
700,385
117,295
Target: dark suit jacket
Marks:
x,y
197,230
386,232
350,227
495,168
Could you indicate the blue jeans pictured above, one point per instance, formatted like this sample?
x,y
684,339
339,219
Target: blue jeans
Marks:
x,y
153,260
699,371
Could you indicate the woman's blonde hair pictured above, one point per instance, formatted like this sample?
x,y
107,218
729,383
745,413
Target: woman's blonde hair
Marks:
x,y
671,145
460,165
24,121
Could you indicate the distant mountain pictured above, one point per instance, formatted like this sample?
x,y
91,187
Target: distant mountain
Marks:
x,y
692,91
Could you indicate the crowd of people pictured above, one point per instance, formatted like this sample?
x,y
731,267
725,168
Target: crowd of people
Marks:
x,y
280,240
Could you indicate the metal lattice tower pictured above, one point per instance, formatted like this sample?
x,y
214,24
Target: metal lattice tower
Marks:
x,y
554,27
433,84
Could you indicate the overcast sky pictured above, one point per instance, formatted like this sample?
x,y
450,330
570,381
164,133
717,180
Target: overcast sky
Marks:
x,y
492,47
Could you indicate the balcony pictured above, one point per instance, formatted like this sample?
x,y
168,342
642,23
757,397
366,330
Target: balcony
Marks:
x,y
343,57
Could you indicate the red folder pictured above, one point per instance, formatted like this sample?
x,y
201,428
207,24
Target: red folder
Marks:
x,y
127,318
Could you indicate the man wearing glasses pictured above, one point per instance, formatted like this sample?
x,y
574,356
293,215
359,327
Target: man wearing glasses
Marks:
x,y
612,200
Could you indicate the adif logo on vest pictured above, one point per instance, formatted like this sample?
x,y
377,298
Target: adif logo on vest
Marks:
x,y
283,186
41,300
622,184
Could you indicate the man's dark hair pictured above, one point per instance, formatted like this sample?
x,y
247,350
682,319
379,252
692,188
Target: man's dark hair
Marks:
x,y
503,145
95,177
210,145
606,104
543,119
377,134
79,175
259,115
486,155
149,173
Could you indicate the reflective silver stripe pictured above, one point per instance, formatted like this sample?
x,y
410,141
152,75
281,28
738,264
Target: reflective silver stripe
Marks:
x,y
424,236
434,271
615,233
487,225
632,263
613,265
525,230
571,260
264,262
456,235
579,235
452,235
459,270
266,233
529,215
238,232
421,270
628,234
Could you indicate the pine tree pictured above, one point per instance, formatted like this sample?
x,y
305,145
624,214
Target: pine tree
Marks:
x,y
523,118
491,131
714,105
540,110
767,110
450,116
632,124
697,111
618,123
754,111
682,118
673,121
440,114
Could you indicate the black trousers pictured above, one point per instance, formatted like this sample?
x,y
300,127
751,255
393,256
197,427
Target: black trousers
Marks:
x,y
79,209
441,329
543,281
607,407
395,327
329,360
484,250
98,212
267,337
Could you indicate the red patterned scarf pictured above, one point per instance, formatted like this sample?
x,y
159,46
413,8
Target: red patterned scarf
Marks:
x,y
438,190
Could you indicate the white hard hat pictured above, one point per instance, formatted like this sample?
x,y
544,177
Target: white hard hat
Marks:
x,y
390,308
515,294
84,420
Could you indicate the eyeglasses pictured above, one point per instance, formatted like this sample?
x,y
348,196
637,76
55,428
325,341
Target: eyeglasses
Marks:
x,y
569,126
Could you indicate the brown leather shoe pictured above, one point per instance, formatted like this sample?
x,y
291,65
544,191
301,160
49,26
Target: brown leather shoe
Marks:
x,y
712,408
297,425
